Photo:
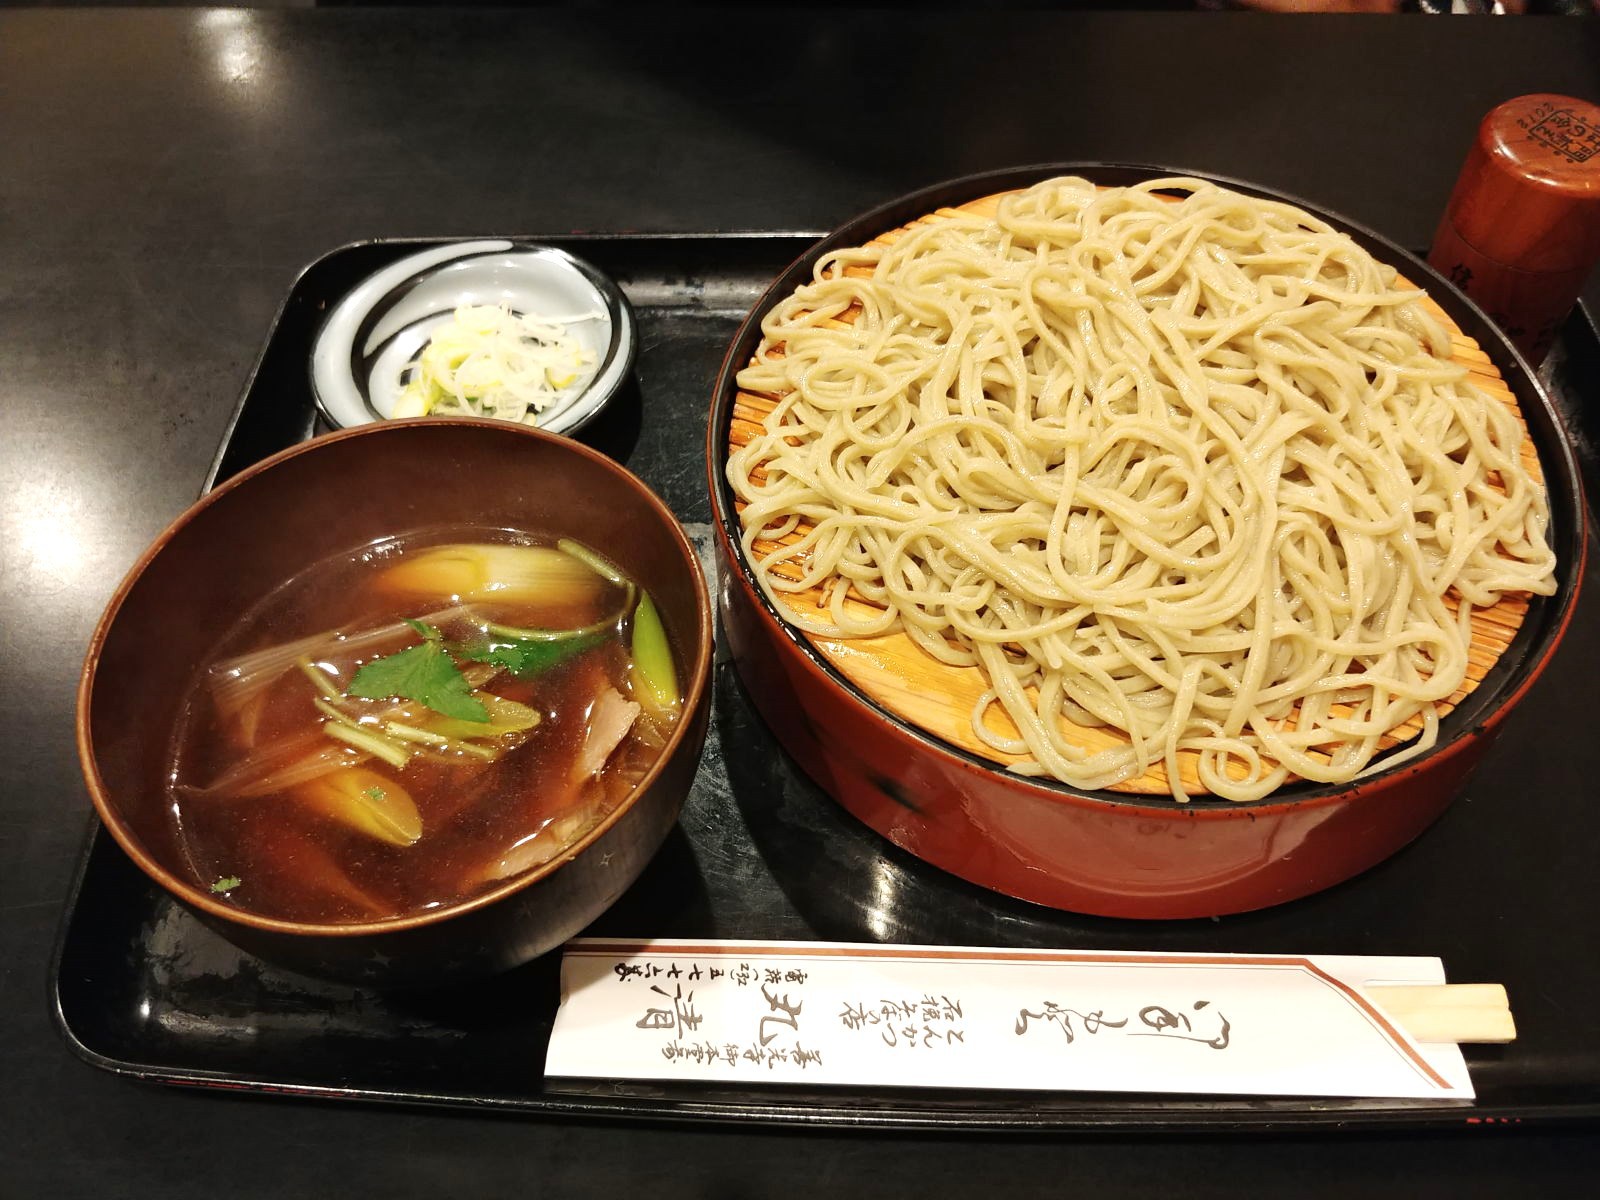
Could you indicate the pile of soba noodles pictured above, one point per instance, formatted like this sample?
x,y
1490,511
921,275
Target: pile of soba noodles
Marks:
x,y
1195,469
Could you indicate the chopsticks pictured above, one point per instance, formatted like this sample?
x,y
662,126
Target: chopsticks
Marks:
x,y
1453,1012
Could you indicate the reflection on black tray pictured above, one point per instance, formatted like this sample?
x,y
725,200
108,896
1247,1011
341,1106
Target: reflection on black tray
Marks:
x,y
761,853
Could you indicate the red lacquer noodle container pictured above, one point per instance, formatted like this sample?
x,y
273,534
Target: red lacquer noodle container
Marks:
x,y
1102,852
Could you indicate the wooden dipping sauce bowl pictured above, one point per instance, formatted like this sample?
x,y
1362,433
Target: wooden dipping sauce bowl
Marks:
x,y
328,496
1118,853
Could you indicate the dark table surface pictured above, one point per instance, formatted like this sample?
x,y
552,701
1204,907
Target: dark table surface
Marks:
x,y
165,174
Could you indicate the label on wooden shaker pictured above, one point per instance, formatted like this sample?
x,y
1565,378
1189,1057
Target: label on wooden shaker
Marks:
x,y
1562,129
811,1013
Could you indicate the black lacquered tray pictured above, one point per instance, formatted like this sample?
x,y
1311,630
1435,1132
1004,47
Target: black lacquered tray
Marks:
x,y
1502,888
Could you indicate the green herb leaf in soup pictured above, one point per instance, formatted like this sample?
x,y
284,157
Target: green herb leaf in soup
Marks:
x,y
426,674
525,659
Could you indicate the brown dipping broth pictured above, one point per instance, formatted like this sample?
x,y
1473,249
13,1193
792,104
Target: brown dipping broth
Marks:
x,y
295,863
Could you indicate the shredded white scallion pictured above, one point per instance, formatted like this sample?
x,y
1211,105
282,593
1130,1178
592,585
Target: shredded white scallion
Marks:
x,y
492,362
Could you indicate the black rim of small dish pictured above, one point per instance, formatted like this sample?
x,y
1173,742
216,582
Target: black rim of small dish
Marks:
x,y
618,312
1534,639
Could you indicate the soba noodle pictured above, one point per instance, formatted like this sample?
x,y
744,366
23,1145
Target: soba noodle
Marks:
x,y
1193,469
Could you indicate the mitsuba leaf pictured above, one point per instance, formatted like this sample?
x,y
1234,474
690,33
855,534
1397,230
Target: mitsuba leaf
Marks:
x,y
426,674
528,658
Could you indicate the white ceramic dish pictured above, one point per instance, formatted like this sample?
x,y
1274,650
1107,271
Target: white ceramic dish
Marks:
x,y
360,360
